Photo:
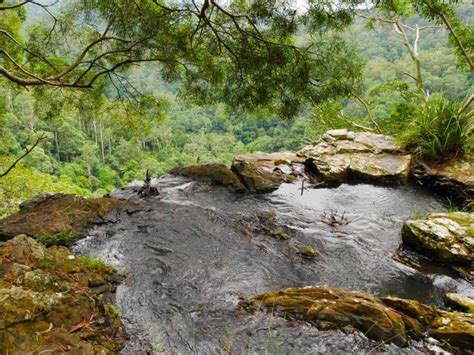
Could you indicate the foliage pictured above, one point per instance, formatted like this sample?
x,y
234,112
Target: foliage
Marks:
x,y
24,183
95,263
63,238
238,52
438,130
147,119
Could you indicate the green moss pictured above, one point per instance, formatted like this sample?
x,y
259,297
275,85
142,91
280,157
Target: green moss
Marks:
x,y
95,264
114,310
62,238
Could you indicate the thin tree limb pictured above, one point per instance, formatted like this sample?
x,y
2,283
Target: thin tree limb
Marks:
x,y
27,151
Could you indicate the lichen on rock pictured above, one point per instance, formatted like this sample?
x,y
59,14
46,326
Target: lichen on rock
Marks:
x,y
47,304
446,237
343,155
388,319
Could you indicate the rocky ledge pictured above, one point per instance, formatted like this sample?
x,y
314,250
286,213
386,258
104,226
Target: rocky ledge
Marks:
x,y
387,319
53,302
339,156
57,219
454,178
343,155
445,237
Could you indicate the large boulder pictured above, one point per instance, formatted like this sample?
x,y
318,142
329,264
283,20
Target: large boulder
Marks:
x,y
257,179
265,172
343,155
217,174
57,219
388,319
51,302
446,237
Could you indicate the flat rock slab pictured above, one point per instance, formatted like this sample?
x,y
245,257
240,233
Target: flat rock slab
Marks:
x,y
387,319
446,237
342,155
62,216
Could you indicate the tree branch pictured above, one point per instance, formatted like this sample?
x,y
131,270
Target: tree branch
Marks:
x,y
369,113
27,151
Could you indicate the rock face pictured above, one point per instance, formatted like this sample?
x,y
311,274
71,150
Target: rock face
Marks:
x,y
446,237
386,319
263,172
454,178
56,219
343,155
217,174
51,302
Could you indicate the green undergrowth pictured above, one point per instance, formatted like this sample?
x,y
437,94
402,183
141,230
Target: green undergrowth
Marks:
x,y
439,130
62,238
24,183
95,264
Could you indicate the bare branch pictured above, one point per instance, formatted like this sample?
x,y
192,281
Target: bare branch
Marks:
x,y
41,138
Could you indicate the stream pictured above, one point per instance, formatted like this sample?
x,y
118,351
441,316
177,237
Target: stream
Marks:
x,y
193,253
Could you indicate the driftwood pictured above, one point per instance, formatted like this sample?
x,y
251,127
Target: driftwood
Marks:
x,y
147,189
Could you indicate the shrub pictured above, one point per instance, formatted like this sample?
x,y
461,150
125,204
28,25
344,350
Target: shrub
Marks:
x,y
438,129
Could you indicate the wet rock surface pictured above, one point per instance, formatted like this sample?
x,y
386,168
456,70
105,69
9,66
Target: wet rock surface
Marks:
x,y
57,219
454,178
194,253
460,302
47,304
342,155
446,237
386,319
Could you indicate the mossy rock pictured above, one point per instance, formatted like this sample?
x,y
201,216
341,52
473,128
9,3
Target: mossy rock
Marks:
x,y
217,174
446,237
57,219
49,301
460,302
387,319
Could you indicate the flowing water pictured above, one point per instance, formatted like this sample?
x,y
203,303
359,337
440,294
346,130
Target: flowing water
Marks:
x,y
194,253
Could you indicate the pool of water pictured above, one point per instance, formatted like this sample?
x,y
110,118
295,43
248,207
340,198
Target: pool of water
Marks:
x,y
194,253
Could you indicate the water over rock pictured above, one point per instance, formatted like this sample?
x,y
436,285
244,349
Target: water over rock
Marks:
x,y
387,319
47,304
57,219
446,237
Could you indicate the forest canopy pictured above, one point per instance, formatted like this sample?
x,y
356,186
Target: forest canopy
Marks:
x,y
104,90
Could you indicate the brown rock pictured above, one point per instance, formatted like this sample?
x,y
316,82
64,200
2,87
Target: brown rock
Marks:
x,y
56,217
217,174
388,319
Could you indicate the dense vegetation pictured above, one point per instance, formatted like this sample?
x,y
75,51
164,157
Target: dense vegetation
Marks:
x,y
95,140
